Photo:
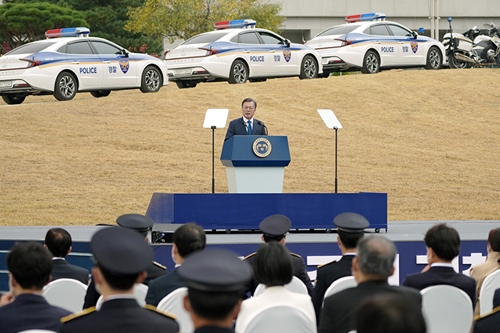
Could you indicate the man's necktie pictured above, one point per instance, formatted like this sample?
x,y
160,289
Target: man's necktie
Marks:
x,y
250,131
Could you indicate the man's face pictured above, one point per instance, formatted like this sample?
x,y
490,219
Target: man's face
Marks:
x,y
248,110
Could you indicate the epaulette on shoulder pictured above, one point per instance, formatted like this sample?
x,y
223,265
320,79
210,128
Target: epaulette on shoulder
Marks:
x,y
296,255
154,309
78,314
479,317
250,255
159,265
327,263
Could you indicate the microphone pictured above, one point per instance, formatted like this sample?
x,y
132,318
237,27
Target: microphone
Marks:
x,y
261,123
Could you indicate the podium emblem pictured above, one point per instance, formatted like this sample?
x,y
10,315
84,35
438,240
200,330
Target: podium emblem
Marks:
x,y
262,147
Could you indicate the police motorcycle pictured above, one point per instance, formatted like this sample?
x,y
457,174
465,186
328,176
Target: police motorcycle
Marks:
x,y
472,49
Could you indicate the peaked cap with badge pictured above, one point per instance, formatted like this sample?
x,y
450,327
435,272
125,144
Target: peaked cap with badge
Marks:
x,y
275,225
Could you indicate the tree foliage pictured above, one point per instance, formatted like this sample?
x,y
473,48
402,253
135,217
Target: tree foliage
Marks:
x,y
182,19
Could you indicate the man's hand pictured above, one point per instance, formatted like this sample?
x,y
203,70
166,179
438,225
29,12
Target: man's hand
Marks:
x,y
6,299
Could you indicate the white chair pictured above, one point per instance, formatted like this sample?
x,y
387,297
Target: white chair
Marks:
x,y
140,292
490,284
174,303
296,286
37,331
279,318
339,285
446,309
68,294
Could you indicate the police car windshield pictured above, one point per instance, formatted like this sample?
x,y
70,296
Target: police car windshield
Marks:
x,y
339,30
30,48
205,38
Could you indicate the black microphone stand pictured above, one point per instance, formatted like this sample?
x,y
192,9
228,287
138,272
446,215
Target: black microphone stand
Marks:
x,y
336,141
213,159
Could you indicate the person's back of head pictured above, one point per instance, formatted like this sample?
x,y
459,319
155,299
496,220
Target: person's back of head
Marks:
x,y
189,238
494,239
349,239
375,256
389,314
273,265
30,265
58,241
444,241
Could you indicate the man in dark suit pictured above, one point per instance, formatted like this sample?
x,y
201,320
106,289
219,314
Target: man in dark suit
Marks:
x,y
350,229
490,323
247,125
275,228
187,239
59,241
24,308
443,245
372,266
121,259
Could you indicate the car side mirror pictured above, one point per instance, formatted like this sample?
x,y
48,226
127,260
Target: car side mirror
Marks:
x,y
125,53
287,42
414,34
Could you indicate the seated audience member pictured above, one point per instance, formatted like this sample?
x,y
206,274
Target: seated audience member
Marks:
x,y
121,260
443,245
187,239
389,314
492,263
24,308
372,266
58,241
215,280
350,229
273,267
275,228
490,323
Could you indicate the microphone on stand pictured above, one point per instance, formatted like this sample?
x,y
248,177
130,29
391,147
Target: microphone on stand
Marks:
x,y
261,123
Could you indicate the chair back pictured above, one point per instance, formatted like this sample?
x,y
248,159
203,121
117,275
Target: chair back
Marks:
x,y
280,318
174,303
68,294
339,285
296,286
140,292
490,284
446,309
37,331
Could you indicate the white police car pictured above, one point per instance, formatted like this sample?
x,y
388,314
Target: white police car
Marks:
x,y
236,52
369,43
62,65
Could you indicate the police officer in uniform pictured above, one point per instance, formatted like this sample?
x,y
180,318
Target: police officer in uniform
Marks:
x,y
350,229
121,259
215,280
490,323
141,224
275,228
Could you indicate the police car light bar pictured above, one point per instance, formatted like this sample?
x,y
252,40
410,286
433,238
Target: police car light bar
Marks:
x,y
235,24
365,17
67,32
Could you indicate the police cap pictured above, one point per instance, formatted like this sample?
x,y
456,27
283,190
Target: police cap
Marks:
x,y
137,222
121,251
275,225
351,222
215,270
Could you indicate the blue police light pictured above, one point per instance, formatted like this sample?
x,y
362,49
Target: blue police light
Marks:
x,y
235,24
365,17
67,32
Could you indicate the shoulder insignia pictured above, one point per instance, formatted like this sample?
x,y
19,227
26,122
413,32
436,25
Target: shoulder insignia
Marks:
x,y
78,314
250,255
159,265
331,262
154,309
295,255
479,317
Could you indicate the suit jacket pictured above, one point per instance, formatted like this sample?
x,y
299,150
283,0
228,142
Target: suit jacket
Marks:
x,y
299,270
326,274
338,313
30,311
213,329
162,286
64,270
122,315
442,275
481,271
238,127
489,323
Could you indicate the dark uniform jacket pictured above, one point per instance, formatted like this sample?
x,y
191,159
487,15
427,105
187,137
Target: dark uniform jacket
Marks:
x,y
213,329
442,275
238,127
123,315
326,274
162,286
338,313
299,270
64,270
29,311
489,323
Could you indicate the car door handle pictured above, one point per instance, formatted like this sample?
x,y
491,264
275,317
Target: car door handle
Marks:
x,y
378,42
401,42
75,62
106,61
246,51
272,51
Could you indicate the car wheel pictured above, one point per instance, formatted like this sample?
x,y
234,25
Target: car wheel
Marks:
x,y
455,63
100,93
151,80
12,99
186,84
498,61
434,59
65,87
238,72
308,68
371,63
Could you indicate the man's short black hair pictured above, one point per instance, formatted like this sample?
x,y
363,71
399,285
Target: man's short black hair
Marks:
x,y
189,238
269,238
58,242
444,241
119,282
213,305
273,265
30,264
350,239
249,99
